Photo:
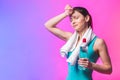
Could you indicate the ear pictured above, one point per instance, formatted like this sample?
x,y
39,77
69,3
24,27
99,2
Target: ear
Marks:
x,y
87,18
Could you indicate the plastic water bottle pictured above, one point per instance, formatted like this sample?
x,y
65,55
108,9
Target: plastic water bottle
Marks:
x,y
83,54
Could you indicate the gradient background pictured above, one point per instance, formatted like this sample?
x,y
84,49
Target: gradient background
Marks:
x,y
29,52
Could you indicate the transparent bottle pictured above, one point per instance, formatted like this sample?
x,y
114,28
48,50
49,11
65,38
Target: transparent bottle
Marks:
x,y
83,54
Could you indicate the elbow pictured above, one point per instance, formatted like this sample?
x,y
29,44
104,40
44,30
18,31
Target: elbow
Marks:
x,y
46,25
109,70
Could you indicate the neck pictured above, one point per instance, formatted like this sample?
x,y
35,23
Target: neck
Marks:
x,y
81,33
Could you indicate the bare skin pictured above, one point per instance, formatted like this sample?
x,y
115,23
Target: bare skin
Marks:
x,y
80,24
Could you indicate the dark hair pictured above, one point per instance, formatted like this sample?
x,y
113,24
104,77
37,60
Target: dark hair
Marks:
x,y
84,12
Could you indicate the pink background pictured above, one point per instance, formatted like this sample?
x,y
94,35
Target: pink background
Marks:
x,y
29,52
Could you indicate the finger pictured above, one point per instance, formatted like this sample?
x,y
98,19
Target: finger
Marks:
x,y
86,65
83,59
67,7
83,62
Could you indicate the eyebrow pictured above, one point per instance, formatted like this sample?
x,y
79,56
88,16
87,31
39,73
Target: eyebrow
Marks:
x,y
74,16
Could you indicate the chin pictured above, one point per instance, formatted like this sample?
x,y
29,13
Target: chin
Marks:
x,y
77,30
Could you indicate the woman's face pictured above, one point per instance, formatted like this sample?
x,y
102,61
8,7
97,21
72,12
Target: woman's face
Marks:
x,y
78,21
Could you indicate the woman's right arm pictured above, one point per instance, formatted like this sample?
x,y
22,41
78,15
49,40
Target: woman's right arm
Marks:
x,y
51,25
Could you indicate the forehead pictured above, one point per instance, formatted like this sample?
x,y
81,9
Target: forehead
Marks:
x,y
76,13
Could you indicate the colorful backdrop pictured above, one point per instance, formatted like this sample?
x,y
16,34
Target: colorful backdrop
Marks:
x,y
29,52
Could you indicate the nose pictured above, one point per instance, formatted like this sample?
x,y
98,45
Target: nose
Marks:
x,y
73,22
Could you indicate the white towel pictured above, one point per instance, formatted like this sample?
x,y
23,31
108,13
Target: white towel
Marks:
x,y
71,43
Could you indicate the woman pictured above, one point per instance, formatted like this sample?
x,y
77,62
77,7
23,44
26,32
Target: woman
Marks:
x,y
81,22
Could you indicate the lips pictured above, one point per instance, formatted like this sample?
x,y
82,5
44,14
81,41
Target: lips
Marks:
x,y
74,25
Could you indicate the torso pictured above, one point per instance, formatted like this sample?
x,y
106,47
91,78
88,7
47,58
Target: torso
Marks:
x,y
74,73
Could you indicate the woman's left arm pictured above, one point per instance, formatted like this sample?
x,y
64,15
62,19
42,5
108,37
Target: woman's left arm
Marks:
x,y
101,48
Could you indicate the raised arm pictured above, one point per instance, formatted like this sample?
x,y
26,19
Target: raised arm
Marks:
x,y
51,24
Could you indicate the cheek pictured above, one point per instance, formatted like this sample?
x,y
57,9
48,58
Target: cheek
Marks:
x,y
80,20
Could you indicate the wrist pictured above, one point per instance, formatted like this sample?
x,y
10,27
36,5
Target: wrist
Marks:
x,y
91,66
66,13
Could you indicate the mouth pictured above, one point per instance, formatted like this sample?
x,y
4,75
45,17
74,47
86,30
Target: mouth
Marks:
x,y
75,25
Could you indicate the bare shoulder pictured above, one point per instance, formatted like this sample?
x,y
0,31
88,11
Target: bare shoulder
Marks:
x,y
100,41
99,44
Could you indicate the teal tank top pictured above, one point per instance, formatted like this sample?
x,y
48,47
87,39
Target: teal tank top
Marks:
x,y
74,73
